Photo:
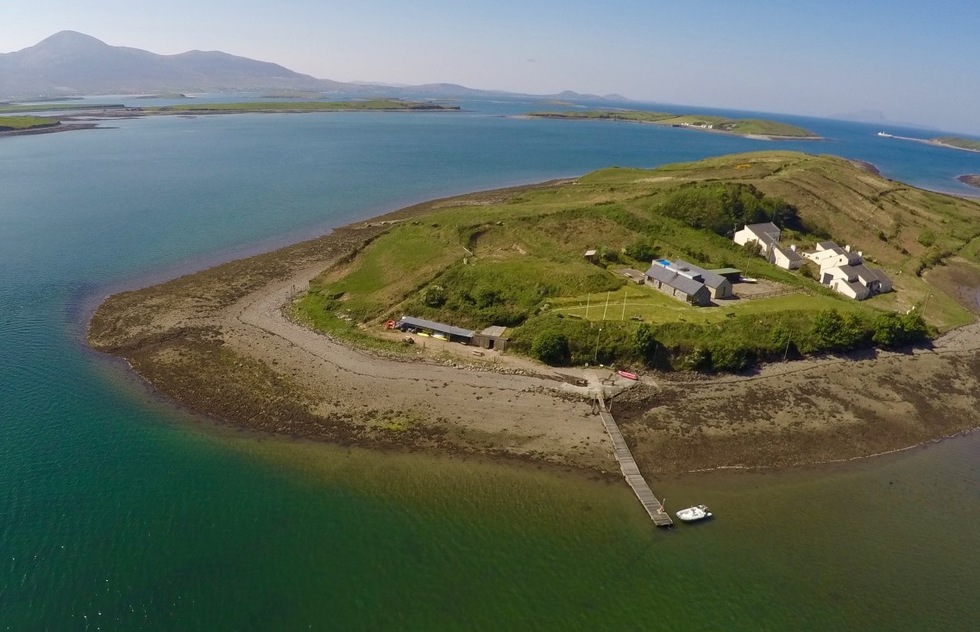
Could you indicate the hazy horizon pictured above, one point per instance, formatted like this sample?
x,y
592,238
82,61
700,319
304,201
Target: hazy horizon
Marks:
x,y
908,61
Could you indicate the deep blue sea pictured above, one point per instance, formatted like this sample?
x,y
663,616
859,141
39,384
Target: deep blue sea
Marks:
x,y
119,511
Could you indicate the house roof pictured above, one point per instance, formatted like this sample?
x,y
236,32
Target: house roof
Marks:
x,y
675,280
422,323
789,253
711,279
764,228
494,331
868,275
724,271
860,290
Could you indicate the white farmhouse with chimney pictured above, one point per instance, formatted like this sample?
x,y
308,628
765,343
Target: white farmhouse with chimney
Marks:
x,y
843,270
767,236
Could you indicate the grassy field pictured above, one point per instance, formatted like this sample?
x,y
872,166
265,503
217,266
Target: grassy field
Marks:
x,y
518,260
743,127
10,123
57,107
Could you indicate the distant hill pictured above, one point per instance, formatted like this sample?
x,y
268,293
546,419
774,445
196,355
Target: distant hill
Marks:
x,y
70,63
73,63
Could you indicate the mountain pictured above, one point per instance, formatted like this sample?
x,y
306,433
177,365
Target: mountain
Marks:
x,y
73,63
70,63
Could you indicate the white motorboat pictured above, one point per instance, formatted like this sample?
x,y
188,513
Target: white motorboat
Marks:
x,y
693,514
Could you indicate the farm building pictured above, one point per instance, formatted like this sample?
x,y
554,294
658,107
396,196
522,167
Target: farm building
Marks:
x,y
767,236
490,338
494,337
681,285
442,331
843,270
718,285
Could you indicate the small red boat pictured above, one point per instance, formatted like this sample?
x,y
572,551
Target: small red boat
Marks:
x,y
627,375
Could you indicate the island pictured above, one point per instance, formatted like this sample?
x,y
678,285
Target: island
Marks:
x,y
949,142
972,179
956,142
19,123
357,337
80,116
753,128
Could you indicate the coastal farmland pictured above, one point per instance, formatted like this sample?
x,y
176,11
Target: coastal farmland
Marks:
x,y
218,341
518,261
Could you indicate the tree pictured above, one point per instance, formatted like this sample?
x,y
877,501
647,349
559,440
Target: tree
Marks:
x,y
551,347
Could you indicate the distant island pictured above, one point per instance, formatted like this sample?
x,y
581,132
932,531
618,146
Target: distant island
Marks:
x,y
958,143
13,124
752,128
950,142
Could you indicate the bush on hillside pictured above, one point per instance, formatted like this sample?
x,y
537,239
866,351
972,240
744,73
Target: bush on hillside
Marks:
x,y
724,207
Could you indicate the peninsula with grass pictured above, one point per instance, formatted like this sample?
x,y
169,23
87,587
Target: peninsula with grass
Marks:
x,y
19,118
357,337
957,142
741,127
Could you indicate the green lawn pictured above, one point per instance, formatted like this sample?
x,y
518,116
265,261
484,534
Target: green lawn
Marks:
x,y
638,302
8,123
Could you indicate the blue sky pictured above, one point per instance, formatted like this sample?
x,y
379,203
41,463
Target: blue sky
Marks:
x,y
914,60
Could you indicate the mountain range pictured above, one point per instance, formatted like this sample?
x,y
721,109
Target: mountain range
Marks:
x,y
71,64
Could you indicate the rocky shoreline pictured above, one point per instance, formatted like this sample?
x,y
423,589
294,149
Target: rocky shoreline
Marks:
x,y
219,342
971,179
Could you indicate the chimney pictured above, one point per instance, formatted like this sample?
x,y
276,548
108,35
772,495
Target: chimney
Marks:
x,y
793,247
847,247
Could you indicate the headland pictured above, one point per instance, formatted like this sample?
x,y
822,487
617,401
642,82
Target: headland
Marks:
x,y
761,129
232,342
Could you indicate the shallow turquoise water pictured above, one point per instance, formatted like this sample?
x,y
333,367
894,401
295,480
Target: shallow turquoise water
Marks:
x,y
119,512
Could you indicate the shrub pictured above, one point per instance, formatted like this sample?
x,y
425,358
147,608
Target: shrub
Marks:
x,y
551,348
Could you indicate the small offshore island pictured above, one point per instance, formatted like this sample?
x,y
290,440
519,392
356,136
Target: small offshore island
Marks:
x,y
972,179
12,123
298,341
753,128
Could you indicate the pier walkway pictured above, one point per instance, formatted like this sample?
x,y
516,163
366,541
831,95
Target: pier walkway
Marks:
x,y
628,466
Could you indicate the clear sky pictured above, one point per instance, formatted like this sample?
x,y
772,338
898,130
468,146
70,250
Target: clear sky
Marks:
x,y
913,60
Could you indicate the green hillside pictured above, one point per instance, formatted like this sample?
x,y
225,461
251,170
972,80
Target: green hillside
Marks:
x,y
518,261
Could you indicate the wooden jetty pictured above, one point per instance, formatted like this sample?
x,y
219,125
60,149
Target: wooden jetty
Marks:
x,y
632,473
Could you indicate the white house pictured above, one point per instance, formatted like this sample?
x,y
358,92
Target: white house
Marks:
x,y
843,270
828,254
767,236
